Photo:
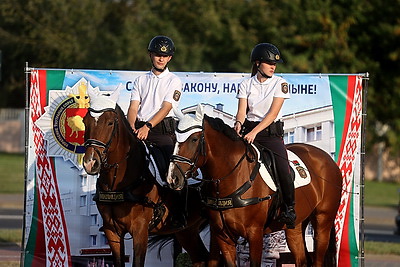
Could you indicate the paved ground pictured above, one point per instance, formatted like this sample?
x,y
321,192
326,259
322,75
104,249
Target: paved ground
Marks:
x,y
379,226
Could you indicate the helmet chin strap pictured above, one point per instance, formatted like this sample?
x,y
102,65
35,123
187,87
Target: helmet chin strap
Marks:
x,y
262,73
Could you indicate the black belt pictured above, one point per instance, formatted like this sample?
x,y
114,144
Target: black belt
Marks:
x,y
166,126
274,129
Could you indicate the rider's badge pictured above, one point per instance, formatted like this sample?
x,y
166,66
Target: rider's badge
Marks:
x,y
177,95
302,172
285,88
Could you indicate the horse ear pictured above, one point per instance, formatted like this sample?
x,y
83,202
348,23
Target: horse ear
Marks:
x,y
91,92
115,95
199,112
178,113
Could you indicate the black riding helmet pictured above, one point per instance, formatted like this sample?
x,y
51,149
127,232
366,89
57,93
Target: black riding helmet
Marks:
x,y
162,45
265,52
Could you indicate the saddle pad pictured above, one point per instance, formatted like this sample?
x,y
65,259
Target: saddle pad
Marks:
x,y
302,176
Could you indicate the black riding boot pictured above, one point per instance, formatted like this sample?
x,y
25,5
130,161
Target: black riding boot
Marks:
x,y
178,210
288,214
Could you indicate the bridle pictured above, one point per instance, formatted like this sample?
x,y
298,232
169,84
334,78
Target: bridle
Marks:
x,y
96,144
200,151
193,163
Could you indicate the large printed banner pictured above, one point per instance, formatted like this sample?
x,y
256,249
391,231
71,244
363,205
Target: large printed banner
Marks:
x,y
62,222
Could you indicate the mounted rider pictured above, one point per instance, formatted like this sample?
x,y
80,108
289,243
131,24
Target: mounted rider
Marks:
x,y
153,96
258,117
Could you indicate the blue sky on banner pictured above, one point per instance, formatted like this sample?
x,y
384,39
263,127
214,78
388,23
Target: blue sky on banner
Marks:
x,y
307,91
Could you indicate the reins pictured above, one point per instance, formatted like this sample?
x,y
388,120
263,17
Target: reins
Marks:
x,y
233,200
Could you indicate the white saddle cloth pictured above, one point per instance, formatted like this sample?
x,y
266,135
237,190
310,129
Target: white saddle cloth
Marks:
x,y
302,176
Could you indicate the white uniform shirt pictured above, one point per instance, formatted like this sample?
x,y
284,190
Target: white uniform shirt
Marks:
x,y
152,90
260,95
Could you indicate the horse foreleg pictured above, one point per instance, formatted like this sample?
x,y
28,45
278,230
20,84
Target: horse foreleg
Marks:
x,y
255,239
115,244
228,249
191,241
296,243
140,237
215,258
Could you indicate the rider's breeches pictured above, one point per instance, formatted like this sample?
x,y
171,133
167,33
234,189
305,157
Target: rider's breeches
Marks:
x,y
277,146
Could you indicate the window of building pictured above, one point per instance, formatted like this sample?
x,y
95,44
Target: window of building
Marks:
x,y
84,180
93,219
93,240
83,200
314,133
318,132
289,137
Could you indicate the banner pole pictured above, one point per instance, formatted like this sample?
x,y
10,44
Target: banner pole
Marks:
x,y
27,90
362,169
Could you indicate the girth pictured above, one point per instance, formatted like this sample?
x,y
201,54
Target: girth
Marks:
x,y
235,200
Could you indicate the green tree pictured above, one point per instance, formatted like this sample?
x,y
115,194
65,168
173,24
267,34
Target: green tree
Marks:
x,y
376,37
314,36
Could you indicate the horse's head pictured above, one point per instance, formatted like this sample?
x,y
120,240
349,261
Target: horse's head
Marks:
x,y
101,124
188,150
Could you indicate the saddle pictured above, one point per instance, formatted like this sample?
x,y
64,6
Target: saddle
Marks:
x,y
267,157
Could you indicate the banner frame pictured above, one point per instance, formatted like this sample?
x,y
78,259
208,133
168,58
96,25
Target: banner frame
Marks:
x,y
365,79
362,170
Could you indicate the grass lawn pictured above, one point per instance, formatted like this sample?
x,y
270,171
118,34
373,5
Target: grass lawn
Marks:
x,y
12,173
381,194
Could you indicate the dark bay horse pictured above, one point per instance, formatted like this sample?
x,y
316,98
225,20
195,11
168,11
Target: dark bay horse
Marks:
x,y
240,204
128,198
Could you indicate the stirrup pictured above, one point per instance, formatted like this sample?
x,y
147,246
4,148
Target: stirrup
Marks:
x,y
179,221
289,218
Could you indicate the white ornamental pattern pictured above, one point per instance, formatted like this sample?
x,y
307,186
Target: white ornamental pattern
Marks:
x,y
56,245
348,158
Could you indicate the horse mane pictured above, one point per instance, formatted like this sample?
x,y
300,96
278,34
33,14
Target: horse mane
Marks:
x,y
220,126
128,127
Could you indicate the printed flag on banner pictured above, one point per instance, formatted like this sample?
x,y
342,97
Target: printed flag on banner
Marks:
x,y
62,222
46,231
347,101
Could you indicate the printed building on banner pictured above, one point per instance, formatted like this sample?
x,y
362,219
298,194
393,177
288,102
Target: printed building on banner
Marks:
x,y
213,111
314,127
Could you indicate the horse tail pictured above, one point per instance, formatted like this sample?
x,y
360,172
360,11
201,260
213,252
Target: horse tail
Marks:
x,y
160,241
330,255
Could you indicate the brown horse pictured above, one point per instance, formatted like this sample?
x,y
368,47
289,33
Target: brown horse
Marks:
x,y
128,198
239,201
